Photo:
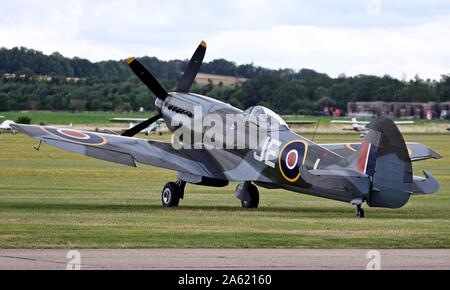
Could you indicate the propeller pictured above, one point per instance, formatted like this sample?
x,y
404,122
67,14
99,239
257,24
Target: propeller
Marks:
x,y
148,79
141,126
192,69
152,83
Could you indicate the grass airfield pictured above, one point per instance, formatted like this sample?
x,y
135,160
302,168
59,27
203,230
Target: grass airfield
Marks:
x,y
56,199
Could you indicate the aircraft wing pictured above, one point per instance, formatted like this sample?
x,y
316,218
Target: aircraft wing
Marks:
x,y
216,164
128,120
132,120
6,125
367,123
404,122
349,122
301,122
417,151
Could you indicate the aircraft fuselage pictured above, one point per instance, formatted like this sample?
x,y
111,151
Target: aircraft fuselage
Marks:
x,y
277,159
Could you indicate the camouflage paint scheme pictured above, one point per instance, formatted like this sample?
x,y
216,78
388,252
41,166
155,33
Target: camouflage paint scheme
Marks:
x,y
377,171
335,176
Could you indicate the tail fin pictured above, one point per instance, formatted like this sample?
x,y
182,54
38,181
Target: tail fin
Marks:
x,y
384,157
355,123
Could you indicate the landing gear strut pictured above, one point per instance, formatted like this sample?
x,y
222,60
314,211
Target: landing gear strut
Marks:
x,y
359,211
172,193
248,194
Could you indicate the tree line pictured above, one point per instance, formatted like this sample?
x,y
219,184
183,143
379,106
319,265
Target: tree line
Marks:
x,y
78,84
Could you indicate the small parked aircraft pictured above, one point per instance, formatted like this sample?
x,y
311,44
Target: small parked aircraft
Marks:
x,y
361,126
6,126
377,171
153,128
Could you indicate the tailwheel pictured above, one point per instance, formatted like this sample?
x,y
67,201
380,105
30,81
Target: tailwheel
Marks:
x,y
254,198
172,193
360,212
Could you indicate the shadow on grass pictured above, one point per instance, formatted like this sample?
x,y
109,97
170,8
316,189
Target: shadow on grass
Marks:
x,y
316,212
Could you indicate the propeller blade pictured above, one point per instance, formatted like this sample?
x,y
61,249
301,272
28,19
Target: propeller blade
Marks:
x,y
148,79
141,126
192,69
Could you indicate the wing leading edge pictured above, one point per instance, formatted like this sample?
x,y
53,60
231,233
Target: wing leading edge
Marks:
x,y
218,164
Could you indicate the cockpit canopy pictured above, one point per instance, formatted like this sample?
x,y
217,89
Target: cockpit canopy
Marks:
x,y
264,116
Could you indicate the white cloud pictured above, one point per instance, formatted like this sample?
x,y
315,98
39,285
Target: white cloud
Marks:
x,y
326,36
411,50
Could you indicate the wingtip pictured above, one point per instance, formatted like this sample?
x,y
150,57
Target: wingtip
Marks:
x,y
19,128
130,60
203,43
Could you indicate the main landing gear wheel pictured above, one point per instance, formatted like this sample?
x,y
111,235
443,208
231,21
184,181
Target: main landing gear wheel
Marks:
x,y
172,193
360,212
254,198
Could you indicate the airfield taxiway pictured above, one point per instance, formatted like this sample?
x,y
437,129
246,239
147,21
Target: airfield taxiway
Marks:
x,y
226,259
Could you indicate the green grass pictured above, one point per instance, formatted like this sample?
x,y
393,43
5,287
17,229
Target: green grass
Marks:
x,y
102,118
55,199
64,118
326,121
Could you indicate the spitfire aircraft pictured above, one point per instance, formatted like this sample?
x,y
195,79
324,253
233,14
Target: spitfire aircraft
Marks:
x,y
377,171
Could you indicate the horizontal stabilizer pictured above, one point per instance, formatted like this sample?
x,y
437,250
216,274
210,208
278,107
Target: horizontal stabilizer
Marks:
x,y
417,151
420,152
427,185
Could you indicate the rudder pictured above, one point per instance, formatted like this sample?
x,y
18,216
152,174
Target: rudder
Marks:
x,y
384,157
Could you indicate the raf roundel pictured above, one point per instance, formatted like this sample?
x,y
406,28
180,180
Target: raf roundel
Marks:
x,y
291,158
75,136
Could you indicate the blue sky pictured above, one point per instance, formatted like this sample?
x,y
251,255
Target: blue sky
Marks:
x,y
400,38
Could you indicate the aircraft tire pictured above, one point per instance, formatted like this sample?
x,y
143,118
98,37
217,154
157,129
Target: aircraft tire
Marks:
x,y
170,195
254,196
360,213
